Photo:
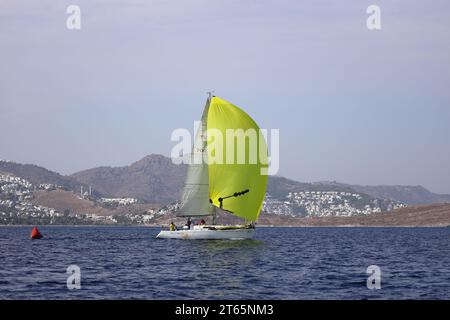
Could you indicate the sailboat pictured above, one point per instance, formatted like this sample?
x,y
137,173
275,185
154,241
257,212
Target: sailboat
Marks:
x,y
234,187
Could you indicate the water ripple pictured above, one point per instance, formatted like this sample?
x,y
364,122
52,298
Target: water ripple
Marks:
x,y
281,263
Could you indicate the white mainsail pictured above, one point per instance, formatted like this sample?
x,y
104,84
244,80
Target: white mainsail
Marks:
x,y
195,198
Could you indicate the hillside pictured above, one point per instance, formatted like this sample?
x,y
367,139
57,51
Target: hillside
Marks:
x,y
65,202
289,197
153,179
39,175
69,203
23,203
156,179
410,195
437,215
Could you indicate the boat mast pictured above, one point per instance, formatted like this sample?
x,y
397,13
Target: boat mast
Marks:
x,y
214,213
210,95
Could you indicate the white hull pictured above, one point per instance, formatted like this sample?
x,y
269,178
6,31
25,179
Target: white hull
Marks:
x,y
205,234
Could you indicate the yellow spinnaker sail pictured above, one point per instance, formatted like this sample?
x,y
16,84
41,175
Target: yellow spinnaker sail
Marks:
x,y
229,176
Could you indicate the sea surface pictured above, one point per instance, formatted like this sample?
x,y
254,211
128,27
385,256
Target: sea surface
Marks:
x,y
281,263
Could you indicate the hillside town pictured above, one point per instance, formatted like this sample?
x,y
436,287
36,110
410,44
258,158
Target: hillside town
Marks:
x,y
327,203
17,206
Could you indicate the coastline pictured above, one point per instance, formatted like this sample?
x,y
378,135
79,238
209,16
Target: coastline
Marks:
x,y
427,216
257,226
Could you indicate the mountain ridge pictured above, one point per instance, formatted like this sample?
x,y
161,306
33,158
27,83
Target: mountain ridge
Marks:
x,y
155,179
154,185
409,194
39,175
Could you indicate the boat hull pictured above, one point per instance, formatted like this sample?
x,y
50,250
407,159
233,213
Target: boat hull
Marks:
x,y
207,234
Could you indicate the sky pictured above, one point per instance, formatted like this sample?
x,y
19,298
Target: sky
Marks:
x,y
353,105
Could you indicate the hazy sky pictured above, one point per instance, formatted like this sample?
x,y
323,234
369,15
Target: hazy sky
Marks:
x,y
352,105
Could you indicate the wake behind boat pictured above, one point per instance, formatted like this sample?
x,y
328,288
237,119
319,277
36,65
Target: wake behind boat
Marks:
x,y
235,187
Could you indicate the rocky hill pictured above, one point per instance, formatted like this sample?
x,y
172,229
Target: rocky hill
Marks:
x,y
153,179
411,195
38,175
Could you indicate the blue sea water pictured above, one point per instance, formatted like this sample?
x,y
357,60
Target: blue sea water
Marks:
x,y
281,263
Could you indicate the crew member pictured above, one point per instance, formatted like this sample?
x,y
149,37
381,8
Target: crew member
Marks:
x,y
188,223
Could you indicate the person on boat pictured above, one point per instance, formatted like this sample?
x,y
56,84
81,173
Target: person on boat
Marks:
x,y
172,226
188,223
202,222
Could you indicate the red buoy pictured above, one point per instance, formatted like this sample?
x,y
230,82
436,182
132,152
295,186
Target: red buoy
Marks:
x,y
35,234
